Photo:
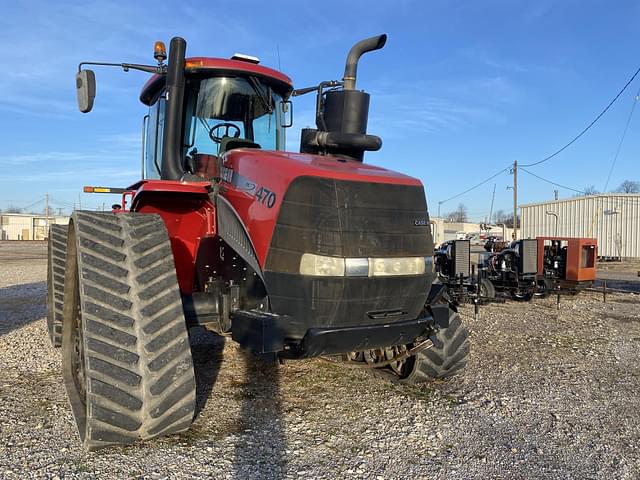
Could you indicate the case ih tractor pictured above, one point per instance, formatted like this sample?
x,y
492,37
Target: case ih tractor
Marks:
x,y
292,255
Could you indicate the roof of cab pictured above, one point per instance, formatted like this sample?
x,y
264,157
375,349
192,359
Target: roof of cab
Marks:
x,y
200,64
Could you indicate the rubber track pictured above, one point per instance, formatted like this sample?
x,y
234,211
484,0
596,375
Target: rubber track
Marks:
x,y
56,260
140,379
449,354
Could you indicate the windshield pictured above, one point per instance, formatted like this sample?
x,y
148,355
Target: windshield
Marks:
x,y
238,107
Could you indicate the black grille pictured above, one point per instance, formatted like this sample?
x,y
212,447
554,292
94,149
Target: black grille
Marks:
x,y
528,256
462,255
347,219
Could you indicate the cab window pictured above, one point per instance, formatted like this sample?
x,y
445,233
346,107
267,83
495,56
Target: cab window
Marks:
x,y
236,107
153,139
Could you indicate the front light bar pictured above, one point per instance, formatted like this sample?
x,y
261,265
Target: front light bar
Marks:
x,y
323,266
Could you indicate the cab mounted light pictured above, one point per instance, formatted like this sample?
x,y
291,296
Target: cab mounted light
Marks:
x,y
245,58
193,64
118,191
159,52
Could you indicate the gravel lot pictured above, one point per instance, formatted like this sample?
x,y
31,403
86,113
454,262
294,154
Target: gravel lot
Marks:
x,y
548,394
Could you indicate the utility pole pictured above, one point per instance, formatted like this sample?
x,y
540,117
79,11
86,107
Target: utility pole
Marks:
x,y
493,197
46,213
79,202
515,199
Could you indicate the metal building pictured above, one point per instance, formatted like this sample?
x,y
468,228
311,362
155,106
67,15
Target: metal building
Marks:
x,y
612,218
27,226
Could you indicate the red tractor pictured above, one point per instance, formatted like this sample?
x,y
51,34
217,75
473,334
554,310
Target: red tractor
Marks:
x,y
292,255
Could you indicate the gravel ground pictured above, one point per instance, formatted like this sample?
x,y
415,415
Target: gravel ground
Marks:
x,y
548,394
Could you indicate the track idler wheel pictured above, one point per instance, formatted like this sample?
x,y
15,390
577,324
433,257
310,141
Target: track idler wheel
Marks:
x,y
126,358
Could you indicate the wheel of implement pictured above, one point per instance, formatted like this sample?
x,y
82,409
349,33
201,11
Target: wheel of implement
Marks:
x,y
521,296
545,287
56,259
487,290
127,363
449,355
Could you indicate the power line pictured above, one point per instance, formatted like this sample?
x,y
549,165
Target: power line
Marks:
x,y
59,202
549,181
475,186
32,204
588,126
624,133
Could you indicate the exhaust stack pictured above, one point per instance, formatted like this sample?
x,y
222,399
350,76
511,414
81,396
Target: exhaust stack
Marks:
x,y
342,115
171,143
359,49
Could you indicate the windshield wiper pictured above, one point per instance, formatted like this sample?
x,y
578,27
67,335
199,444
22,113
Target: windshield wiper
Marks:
x,y
255,84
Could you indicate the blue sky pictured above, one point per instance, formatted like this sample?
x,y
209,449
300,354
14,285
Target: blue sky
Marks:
x,y
461,89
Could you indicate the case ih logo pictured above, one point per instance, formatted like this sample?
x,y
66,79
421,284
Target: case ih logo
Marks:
x,y
420,222
263,195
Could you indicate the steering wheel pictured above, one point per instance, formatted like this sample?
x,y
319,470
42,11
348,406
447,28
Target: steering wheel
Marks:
x,y
216,132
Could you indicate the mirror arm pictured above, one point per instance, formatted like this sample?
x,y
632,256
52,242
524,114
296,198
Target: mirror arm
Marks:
x,y
159,69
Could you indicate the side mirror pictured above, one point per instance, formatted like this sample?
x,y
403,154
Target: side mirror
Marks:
x,y
85,89
287,113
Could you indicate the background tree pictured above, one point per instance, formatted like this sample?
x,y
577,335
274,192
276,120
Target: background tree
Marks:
x,y
500,217
508,221
459,214
590,190
13,209
629,186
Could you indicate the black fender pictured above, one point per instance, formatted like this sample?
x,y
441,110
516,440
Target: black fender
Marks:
x,y
232,230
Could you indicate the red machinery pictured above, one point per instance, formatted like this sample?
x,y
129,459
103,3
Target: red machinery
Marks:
x,y
566,262
292,255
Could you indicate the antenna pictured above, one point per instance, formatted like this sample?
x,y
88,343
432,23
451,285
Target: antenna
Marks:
x,y
278,50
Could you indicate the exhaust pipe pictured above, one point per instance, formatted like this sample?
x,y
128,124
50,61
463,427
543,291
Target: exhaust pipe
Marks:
x,y
171,142
359,49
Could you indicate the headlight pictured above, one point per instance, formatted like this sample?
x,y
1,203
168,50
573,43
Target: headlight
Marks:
x,y
386,267
321,266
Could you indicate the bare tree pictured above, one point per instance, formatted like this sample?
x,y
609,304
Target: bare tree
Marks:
x,y
590,190
459,214
13,209
508,221
629,186
500,217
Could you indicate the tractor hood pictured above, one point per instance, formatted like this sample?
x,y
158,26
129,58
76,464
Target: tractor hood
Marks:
x,y
257,181
285,166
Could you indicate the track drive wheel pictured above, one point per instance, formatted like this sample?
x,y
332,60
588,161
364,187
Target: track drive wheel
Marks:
x,y
127,363
449,354
56,258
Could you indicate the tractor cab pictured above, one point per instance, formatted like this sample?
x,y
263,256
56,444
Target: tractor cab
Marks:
x,y
227,104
